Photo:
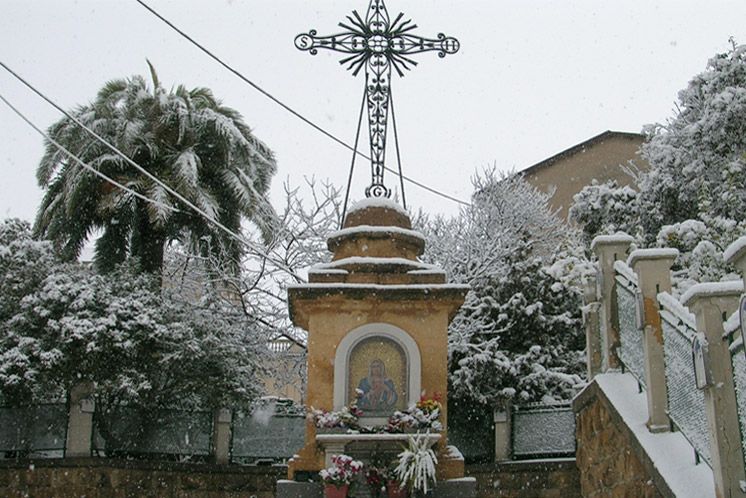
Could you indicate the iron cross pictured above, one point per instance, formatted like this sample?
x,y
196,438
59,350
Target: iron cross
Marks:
x,y
378,44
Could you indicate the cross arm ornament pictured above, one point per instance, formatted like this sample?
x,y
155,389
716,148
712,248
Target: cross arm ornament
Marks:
x,y
377,44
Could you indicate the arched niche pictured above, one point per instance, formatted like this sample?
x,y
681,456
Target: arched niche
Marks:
x,y
360,349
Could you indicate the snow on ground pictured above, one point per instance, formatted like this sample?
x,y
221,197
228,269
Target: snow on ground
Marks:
x,y
670,452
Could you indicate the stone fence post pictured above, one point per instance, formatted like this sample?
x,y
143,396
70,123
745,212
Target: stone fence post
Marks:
x,y
80,420
221,435
653,269
591,317
711,303
503,417
608,249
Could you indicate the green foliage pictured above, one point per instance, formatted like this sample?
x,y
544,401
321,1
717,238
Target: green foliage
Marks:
x,y
186,138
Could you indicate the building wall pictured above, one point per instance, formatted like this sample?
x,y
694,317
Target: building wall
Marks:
x,y
601,158
286,375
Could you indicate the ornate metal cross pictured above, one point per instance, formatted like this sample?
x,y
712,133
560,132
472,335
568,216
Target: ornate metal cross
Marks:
x,y
377,44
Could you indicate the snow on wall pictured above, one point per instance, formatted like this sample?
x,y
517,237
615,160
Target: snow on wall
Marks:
x,y
712,289
679,312
362,229
544,431
735,249
670,452
622,269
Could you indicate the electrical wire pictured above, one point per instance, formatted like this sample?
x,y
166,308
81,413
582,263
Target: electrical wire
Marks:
x,y
83,163
121,154
287,107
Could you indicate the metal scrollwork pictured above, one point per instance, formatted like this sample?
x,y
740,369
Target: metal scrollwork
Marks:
x,y
377,44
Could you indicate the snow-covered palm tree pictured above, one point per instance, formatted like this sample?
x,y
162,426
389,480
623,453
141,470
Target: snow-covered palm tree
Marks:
x,y
187,139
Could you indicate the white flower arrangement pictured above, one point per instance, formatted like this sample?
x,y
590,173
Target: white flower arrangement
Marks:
x,y
343,470
416,468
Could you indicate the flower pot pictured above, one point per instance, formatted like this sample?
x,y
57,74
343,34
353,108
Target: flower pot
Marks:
x,y
394,491
332,491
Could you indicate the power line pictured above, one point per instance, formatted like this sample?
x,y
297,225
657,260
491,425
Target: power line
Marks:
x,y
121,154
83,163
287,107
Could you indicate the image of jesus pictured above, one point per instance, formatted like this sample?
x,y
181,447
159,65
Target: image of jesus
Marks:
x,y
379,392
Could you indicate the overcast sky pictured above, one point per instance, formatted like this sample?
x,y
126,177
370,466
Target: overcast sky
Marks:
x,y
532,77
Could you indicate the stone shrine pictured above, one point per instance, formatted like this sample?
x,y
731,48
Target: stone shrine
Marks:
x,y
377,321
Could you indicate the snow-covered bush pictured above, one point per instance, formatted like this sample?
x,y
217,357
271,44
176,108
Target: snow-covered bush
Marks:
x,y
518,334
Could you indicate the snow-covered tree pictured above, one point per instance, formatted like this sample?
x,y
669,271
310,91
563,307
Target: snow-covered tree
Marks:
x,y
186,138
310,214
605,208
518,336
693,196
138,345
697,158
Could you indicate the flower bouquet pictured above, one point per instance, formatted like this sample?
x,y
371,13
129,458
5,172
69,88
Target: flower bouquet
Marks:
x,y
338,478
424,415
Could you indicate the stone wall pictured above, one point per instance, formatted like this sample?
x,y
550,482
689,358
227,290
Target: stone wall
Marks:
x,y
104,478
530,479
610,461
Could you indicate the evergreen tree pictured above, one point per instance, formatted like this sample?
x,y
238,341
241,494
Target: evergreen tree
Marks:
x,y
518,335
185,138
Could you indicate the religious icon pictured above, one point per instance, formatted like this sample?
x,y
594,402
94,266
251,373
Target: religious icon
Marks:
x,y
378,391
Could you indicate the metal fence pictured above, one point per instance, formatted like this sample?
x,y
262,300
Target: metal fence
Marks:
x,y
260,436
631,351
543,431
686,403
174,434
472,430
37,431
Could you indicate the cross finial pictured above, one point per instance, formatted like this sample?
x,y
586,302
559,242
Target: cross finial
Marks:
x,y
377,44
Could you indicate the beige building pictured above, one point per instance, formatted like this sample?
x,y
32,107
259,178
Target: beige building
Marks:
x,y
603,157
286,362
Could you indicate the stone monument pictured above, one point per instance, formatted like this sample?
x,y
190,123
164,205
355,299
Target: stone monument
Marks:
x,y
377,318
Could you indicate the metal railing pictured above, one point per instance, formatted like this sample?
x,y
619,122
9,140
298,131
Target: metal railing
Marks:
x,y
686,403
631,351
